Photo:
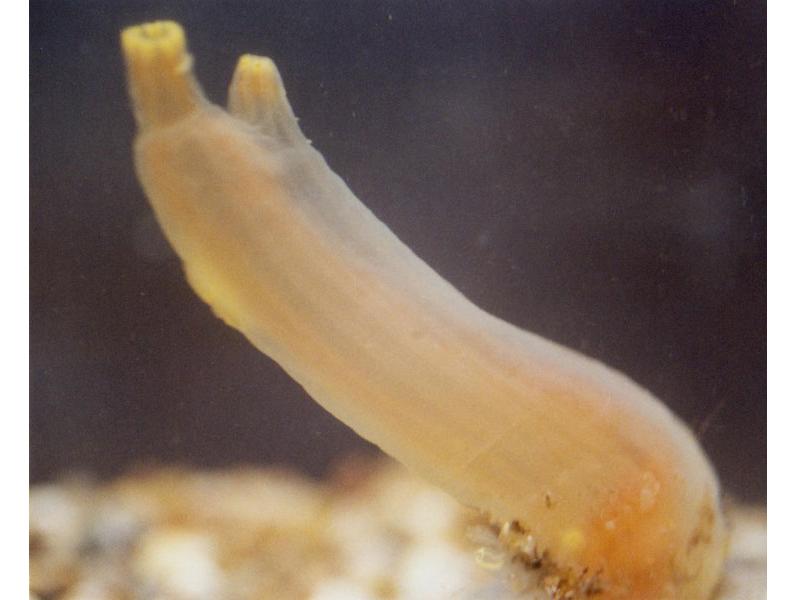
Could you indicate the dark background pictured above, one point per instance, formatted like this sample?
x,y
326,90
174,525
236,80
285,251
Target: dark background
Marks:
x,y
594,172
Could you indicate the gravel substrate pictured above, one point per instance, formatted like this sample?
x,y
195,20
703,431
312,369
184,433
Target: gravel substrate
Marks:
x,y
370,532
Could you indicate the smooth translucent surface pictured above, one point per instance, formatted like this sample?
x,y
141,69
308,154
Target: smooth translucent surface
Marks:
x,y
598,472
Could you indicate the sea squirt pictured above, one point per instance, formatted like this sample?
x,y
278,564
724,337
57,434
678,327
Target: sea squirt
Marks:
x,y
565,455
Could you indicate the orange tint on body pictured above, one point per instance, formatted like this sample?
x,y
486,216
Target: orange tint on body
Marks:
x,y
643,514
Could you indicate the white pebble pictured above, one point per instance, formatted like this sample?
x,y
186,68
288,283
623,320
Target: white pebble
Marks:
x,y
179,564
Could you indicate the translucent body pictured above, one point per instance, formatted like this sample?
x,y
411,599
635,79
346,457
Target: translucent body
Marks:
x,y
587,463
